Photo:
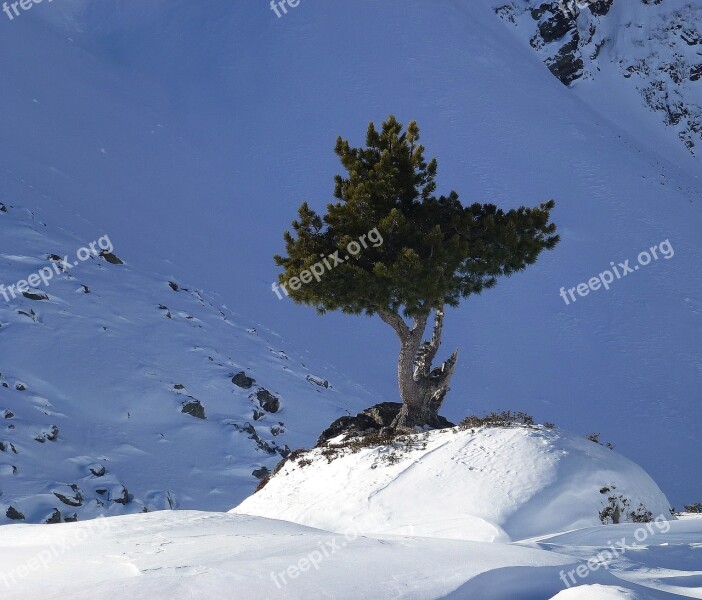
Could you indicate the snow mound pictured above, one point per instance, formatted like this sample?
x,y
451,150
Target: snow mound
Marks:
x,y
490,484
598,592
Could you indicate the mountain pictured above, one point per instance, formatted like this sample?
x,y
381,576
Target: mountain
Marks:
x,y
190,132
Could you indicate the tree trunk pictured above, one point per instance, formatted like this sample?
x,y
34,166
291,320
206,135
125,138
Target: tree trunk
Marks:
x,y
422,388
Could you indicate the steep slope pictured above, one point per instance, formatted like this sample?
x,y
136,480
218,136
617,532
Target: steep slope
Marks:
x,y
192,130
124,391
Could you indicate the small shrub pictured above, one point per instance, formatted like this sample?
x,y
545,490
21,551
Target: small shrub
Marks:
x,y
640,515
505,418
398,443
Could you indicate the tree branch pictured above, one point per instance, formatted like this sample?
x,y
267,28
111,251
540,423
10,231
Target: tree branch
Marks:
x,y
396,322
441,375
428,350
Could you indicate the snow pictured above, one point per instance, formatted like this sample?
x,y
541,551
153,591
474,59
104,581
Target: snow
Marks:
x,y
491,485
196,555
219,119
598,592
191,555
106,368
189,132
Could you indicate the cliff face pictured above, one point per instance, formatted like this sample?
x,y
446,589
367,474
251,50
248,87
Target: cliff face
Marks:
x,y
654,46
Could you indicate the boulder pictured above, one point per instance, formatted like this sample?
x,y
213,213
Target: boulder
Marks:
x,y
241,380
267,401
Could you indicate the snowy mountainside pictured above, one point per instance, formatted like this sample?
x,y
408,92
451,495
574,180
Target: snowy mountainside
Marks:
x,y
650,48
488,484
200,147
106,374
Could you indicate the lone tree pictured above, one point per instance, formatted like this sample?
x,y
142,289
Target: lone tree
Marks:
x,y
427,252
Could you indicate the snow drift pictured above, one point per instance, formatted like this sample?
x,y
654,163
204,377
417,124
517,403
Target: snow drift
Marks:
x,y
490,484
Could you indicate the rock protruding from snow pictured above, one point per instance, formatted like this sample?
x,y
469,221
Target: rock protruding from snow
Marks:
x,y
490,484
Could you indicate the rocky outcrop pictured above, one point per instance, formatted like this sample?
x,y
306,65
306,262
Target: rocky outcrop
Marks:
x,y
267,401
194,408
657,48
13,514
371,420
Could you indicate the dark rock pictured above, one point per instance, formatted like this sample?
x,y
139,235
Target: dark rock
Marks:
x,y
20,387
8,414
173,286
71,518
54,518
120,496
111,258
194,409
38,296
14,515
378,418
3,208
556,27
261,473
267,401
243,381
318,381
75,500
567,64
55,258
601,7
178,386
261,444
53,435
98,470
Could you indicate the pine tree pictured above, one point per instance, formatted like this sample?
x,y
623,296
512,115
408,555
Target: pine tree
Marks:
x,y
434,252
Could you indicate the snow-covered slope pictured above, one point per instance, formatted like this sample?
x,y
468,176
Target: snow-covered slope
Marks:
x,y
202,556
117,391
199,556
491,484
192,130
